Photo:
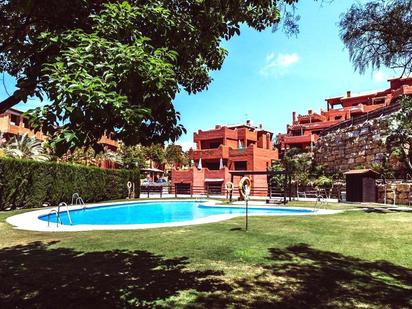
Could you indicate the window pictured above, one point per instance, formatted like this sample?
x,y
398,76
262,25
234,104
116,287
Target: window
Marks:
x,y
214,145
212,165
211,144
379,101
240,165
14,120
26,123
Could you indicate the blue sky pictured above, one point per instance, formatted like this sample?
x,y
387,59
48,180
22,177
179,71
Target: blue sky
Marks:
x,y
267,75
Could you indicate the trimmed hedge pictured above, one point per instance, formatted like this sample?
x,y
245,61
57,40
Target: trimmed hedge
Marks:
x,y
28,184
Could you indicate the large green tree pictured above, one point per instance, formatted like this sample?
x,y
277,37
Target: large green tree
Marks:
x,y
112,66
379,33
175,155
154,153
399,139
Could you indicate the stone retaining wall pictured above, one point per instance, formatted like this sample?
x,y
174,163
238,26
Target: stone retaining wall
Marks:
x,y
356,146
398,192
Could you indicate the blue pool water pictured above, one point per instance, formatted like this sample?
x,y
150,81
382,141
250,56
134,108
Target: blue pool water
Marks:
x,y
157,212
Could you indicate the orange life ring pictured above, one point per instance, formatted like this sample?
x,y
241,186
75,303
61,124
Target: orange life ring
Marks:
x,y
243,183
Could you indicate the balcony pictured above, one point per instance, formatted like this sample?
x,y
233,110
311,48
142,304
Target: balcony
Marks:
x,y
315,125
108,141
210,154
216,174
238,152
220,133
310,118
19,130
301,139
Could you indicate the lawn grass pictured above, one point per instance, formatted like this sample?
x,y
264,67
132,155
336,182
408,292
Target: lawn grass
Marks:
x,y
347,260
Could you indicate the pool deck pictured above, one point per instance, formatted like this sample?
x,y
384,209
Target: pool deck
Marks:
x,y
30,220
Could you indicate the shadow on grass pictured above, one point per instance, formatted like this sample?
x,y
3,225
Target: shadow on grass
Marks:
x,y
303,277
35,276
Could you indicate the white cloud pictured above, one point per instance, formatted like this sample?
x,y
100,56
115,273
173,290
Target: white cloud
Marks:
x,y
270,57
278,63
379,76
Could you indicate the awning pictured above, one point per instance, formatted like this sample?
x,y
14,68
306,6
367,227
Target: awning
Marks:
x,y
154,170
214,179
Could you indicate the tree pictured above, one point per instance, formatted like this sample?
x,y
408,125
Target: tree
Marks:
x,y
130,157
154,153
24,147
379,33
399,138
116,66
175,156
81,155
297,163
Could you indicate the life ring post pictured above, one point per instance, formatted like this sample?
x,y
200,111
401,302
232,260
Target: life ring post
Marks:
x,y
229,186
245,187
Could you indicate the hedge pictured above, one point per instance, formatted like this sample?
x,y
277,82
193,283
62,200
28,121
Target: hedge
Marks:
x,y
28,184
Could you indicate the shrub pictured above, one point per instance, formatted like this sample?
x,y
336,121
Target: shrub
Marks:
x,y
324,182
28,184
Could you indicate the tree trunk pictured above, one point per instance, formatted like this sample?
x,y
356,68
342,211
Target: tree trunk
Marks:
x,y
8,103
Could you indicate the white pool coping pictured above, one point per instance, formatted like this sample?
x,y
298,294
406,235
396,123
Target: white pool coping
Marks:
x,y
30,220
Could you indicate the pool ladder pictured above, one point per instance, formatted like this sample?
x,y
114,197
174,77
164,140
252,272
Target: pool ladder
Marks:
x,y
76,201
57,212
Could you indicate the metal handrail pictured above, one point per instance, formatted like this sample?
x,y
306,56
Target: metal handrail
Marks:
x,y
57,217
75,196
67,210
320,200
77,200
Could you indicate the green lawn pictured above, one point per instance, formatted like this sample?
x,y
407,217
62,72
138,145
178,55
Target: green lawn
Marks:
x,y
353,259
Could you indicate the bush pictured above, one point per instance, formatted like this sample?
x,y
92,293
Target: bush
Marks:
x,y
324,182
28,184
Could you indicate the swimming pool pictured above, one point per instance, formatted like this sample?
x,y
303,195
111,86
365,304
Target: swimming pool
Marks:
x,y
158,212
147,214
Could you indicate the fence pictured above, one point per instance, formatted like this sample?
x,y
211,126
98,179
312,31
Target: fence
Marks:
x,y
185,189
392,192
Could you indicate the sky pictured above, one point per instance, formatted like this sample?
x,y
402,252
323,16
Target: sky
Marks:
x,y
267,75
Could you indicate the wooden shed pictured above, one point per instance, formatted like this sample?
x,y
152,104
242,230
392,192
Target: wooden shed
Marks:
x,y
361,185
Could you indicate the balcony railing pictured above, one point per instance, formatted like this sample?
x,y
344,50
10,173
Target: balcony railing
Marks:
x,y
108,141
18,130
215,153
297,139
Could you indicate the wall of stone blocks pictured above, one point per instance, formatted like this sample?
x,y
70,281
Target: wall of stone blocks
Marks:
x,y
394,193
357,146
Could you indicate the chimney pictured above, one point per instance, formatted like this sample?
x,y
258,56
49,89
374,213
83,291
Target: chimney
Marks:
x,y
260,126
218,126
348,94
294,117
310,112
248,122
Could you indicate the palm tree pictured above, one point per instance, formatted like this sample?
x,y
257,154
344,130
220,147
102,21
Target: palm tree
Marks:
x,y
24,147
